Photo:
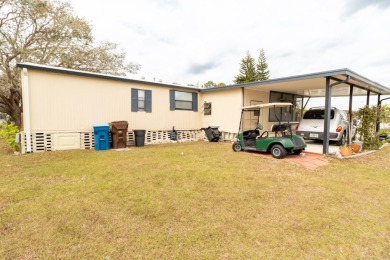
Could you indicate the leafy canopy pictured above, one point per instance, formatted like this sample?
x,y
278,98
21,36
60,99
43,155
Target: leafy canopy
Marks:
x,y
47,32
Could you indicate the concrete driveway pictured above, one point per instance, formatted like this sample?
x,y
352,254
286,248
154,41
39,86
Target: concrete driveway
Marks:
x,y
316,147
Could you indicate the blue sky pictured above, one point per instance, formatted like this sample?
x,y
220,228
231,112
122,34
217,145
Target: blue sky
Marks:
x,y
193,41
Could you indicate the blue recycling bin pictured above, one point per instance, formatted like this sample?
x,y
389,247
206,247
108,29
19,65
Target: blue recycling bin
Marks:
x,y
102,140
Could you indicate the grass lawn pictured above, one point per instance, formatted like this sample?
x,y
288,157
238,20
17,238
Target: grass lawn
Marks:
x,y
191,201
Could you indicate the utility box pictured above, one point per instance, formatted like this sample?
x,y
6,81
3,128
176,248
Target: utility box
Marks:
x,y
119,134
102,140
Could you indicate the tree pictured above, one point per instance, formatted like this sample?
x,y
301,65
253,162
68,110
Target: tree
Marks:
x,y
262,67
212,84
247,70
47,32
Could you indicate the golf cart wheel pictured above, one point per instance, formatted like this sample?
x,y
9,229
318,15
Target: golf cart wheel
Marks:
x,y
342,140
278,151
237,147
297,152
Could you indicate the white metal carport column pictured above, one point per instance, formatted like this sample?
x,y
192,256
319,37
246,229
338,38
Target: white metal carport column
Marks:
x,y
26,110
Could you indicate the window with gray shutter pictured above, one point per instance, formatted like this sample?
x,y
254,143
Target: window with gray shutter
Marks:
x,y
141,100
180,100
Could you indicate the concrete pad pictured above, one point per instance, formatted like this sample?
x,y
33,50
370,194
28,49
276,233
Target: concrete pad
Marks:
x,y
316,147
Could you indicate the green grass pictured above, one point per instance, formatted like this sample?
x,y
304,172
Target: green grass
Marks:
x,y
191,201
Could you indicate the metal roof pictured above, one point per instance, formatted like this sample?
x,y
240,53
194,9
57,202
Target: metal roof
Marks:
x,y
314,84
311,85
98,75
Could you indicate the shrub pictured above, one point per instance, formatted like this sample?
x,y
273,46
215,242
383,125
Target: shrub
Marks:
x,y
369,117
8,132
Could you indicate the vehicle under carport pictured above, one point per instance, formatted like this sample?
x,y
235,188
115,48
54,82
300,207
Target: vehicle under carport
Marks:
x,y
328,84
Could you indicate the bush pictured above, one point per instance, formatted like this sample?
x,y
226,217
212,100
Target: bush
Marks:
x,y
8,133
369,117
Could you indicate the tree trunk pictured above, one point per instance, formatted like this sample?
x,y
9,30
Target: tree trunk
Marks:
x,y
10,106
16,115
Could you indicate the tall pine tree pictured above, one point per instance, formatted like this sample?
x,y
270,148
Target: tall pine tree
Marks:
x,y
247,70
262,67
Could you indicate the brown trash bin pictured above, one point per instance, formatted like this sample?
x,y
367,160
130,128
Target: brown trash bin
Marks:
x,y
119,134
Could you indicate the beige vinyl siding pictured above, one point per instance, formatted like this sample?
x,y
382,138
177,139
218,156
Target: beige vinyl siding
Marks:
x,y
226,109
68,103
253,97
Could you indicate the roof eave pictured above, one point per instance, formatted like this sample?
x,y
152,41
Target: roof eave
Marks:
x,y
97,75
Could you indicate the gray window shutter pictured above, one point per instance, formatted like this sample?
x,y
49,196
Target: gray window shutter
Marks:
x,y
134,100
172,99
195,102
148,101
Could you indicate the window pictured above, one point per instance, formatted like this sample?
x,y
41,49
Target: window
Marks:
x,y
180,100
207,108
141,100
317,114
183,100
284,113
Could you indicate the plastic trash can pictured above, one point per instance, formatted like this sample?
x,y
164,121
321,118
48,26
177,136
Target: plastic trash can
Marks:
x,y
119,134
102,140
212,133
139,137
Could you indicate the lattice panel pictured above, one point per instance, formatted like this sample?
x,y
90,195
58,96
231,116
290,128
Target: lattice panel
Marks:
x,y
157,137
87,140
40,142
130,138
227,136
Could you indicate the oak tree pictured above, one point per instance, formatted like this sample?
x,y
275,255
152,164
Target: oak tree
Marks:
x,y
48,32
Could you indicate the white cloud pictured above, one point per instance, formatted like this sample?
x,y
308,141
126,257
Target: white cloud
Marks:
x,y
190,41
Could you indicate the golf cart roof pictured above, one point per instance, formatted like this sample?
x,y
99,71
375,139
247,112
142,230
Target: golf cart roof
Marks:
x,y
266,105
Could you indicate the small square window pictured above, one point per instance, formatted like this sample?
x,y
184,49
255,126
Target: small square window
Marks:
x,y
207,108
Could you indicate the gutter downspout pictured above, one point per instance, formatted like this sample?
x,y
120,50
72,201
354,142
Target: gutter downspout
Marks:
x,y
26,110
325,148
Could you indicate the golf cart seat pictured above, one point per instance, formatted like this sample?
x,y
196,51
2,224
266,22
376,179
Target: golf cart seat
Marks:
x,y
279,129
251,134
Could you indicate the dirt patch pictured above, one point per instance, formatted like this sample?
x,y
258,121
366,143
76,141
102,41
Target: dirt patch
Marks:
x,y
308,160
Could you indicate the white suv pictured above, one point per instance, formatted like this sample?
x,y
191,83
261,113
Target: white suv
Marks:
x,y
311,125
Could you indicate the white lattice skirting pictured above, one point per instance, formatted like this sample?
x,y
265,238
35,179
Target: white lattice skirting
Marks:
x,y
41,142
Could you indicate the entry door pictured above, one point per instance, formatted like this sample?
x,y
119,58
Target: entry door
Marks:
x,y
250,118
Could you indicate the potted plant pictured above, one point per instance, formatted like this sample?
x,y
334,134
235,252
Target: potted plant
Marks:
x,y
345,150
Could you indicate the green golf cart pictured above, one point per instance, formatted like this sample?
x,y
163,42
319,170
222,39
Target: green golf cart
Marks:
x,y
279,141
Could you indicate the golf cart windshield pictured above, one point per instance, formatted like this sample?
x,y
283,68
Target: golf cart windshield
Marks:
x,y
267,105
250,115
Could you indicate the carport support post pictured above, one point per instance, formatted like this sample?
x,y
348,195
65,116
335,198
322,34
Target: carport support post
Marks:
x,y
328,96
350,113
368,98
378,123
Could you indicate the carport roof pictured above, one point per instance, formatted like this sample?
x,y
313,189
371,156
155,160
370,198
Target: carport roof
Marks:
x,y
314,84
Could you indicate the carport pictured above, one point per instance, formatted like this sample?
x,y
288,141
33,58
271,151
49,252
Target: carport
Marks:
x,y
328,84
